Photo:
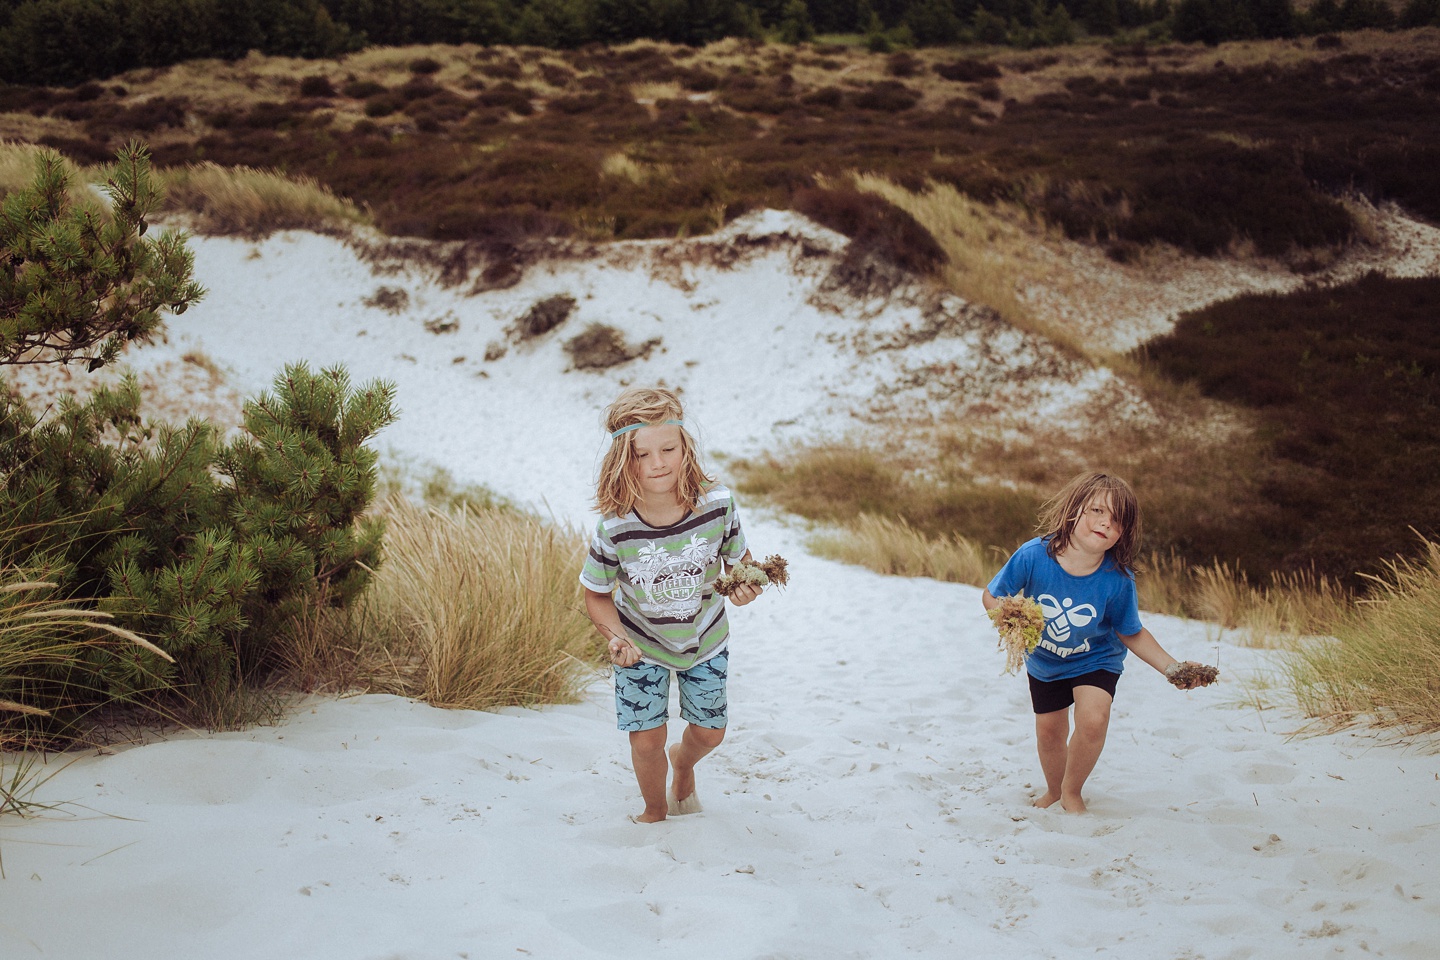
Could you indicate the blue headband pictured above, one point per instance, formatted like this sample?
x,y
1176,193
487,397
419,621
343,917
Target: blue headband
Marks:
x,y
637,426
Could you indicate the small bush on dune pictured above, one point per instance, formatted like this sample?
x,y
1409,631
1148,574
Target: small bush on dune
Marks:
x,y
544,316
968,71
600,347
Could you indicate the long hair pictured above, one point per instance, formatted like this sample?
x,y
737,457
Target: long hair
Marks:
x,y
1059,514
617,490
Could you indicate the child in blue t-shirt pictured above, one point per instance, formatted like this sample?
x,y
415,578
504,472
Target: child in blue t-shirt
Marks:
x,y
1081,570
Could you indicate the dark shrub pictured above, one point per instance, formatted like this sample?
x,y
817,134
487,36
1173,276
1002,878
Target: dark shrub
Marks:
x,y
875,227
544,316
418,88
700,81
502,69
271,115
362,89
600,347
425,66
382,105
557,75
902,64
87,92
152,114
891,96
507,96
317,85
828,97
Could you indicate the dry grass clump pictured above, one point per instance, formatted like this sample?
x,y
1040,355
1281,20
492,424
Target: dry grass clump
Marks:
x,y
773,569
247,202
894,547
1019,620
1383,665
475,609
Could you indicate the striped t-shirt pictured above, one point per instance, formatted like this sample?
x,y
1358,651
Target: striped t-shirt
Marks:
x,y
665,575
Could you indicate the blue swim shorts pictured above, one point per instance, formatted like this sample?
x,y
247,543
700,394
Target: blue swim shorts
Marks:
x,y
642,694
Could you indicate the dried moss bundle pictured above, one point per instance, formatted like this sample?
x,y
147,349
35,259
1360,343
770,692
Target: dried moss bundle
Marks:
x,y
1189,675
1019,620
774,570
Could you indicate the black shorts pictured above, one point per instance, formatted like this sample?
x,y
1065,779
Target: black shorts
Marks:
x,y
1047,696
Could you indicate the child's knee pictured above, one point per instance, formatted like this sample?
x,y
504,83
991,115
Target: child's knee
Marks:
x,y
652,741
1093,722
707,737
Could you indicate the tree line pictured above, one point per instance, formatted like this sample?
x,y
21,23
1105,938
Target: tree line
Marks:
x,y
58,42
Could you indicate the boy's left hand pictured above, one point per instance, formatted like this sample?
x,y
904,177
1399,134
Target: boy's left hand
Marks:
x,y
743,594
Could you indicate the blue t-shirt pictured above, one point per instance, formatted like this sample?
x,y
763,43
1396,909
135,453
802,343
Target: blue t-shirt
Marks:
x,y
1084,616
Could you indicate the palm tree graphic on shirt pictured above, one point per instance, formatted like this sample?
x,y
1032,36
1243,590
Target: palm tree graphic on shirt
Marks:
x,y
671,583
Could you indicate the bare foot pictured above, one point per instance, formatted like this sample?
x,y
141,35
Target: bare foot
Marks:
x,y
1046,800
1072,804
683,782
647,817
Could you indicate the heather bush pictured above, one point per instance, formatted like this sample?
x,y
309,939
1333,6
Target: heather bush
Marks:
x,y
1345,383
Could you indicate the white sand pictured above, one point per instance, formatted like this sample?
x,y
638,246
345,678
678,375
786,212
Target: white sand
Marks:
x,y
872,798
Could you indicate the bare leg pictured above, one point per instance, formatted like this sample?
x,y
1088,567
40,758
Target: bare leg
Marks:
x,y
692,748
1052,730
647,755
1092,723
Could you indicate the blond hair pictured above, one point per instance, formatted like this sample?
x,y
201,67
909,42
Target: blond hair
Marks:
x,y
1060,513
618,490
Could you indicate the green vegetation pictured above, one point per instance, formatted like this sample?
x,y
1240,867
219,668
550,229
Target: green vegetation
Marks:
x,y
189,550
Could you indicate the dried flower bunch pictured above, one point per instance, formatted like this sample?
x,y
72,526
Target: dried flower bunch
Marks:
x,y
774,570
1019,620
1189,675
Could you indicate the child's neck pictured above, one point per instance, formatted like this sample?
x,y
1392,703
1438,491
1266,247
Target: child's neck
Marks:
x,y
661,511
1078,563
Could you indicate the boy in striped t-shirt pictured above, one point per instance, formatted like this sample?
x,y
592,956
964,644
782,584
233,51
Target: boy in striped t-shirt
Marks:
x,y
667,532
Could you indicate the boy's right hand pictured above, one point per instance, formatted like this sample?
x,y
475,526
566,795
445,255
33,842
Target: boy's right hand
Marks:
x,y
623,653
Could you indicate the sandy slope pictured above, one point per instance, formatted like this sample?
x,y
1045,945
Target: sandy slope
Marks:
x,y
872,797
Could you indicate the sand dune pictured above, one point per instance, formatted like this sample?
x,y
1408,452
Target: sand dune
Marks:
x,y
872,797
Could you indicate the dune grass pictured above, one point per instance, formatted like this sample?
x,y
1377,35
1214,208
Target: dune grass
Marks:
x,y
987,249
894,547
247,202
1383,665
476,608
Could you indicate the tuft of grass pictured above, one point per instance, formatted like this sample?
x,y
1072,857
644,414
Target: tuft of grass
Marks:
x,y
1383,665
894,547
473,608
244,201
